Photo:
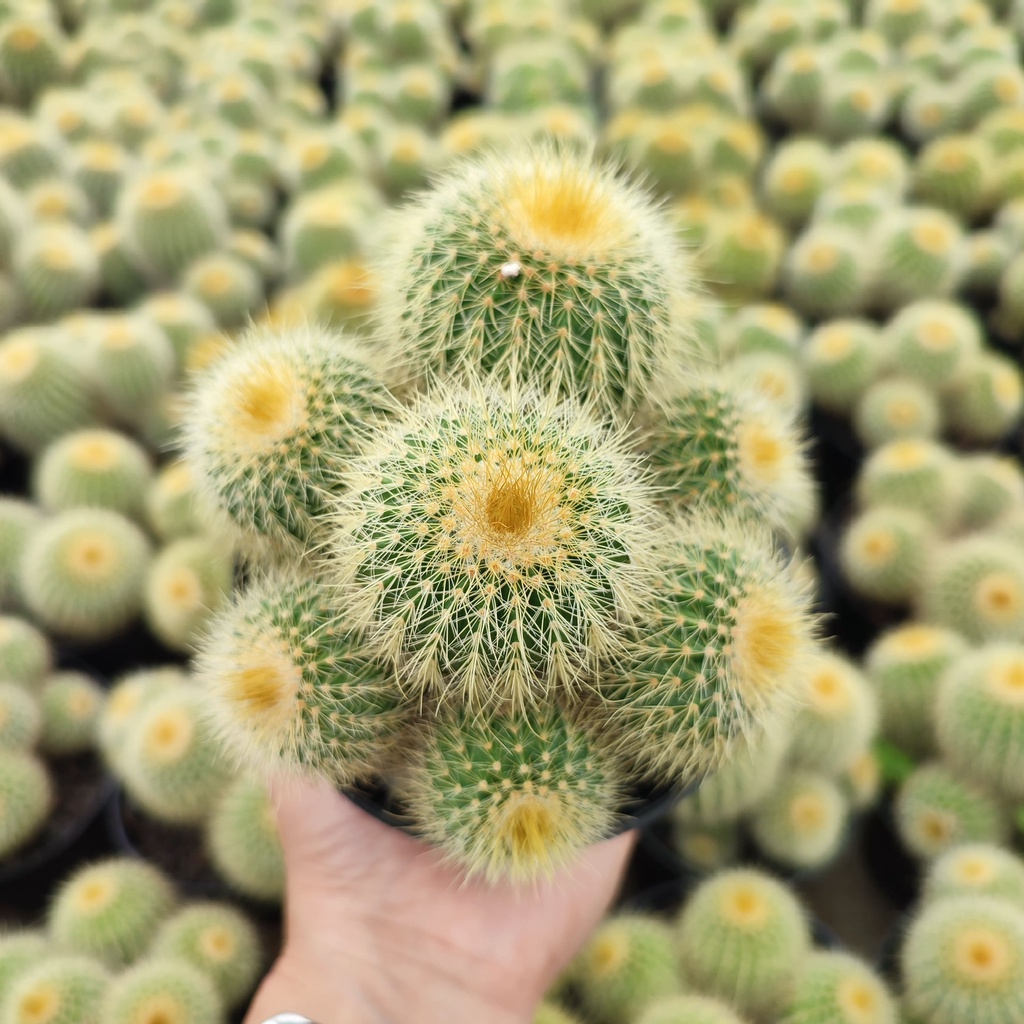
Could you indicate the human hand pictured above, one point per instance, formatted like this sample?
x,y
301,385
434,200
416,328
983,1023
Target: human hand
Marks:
x,y
378,930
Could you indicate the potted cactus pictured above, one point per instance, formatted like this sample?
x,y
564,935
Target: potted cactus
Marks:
x,y
515,554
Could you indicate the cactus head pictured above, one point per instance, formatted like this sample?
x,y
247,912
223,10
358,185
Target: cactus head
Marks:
x,y
70,703
162,988
59,989
21,719
26,796
976,869
26,654
837,988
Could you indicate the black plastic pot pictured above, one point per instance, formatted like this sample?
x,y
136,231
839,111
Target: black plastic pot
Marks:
x,y
28,879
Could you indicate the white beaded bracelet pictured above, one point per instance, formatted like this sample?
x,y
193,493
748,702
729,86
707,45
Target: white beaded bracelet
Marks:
x,y
288,1018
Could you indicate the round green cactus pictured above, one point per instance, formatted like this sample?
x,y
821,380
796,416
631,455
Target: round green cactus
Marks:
x,y
220,941
227,284
18,518
70,703
242,840
172,764
851,104
497,539
59,989
325,225
963,959
187,582
720,443
684,694
762,327
542,267
976,869
987,398
826,274
742,780
56,268
794,178
840,359
44,391
993,487
26,797
905,665
862,779
26,654
930,110
837,988
96,468
126,697
987,258
855,205
323,704
688,1009
955,173
121,281
21,720
132,363
803,821
110,910
182,318
917,474
553,793
269,422
99,167
82,573
937,809
884,553
791,89
171,502
837,714
627,963
895,408
742,255
932,340
169,217
979,717
742,937
162,987
20,949
975,585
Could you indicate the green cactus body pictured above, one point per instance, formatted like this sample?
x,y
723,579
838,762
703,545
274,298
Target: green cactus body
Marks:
x,y
825,273
963,960
172,764
43,390
542,267
56,201
840,358
1008,320
743,254
987,86
551,1013
182,317
762,327
955,173
132,363
722,444
743,779
919,255
704,849
218,940
322,703
111,910
929,110
169,218
837,988
976,586
855,205
550,791
26,797
29,151
987,398
61,989
25,652
269,422
242,840
884,553
21,720
980,717
95,468
324,225
120,280
257,252
837,715
56,269
688,1009
70,703
861,779
936,810
162,988
803,821
83,573
877,161
905,665
852,104
791,89
20,950
187,582
1003,130
99,168
794,178
976,869
171,502
743,937
993,488
227,284
128,695
899,20
895,408
629,962
730,632
916,474
932,340
498,541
